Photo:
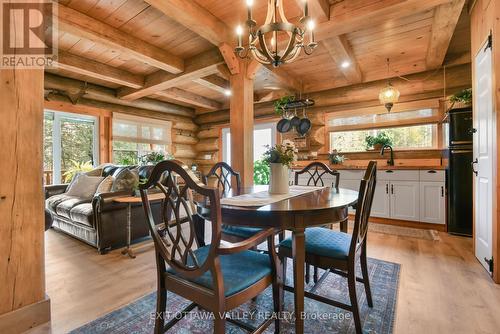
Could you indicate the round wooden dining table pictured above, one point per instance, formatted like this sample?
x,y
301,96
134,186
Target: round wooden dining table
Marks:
x,y
320,207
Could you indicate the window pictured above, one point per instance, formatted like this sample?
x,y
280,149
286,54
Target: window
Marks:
x,y
263,134
407,137
69,139
415,129
135,136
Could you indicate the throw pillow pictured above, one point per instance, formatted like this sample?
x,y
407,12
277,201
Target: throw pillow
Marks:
x,y
126,180
94,172
106,185
84,186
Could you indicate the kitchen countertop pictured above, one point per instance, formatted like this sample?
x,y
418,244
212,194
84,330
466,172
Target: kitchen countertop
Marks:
x,y
379,167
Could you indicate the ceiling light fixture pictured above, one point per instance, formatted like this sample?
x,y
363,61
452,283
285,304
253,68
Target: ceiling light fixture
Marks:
x,y
275,25
345,64
389,94
227,92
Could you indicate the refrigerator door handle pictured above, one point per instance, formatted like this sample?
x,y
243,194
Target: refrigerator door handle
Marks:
x,y
472,164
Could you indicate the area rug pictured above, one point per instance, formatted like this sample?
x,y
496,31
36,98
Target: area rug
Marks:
x,y
138,317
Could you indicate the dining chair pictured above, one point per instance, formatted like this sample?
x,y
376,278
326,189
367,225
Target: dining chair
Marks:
x,y
215,277
316,173
339,252
225,177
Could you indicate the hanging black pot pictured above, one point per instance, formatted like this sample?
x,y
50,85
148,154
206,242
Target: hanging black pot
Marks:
x,y
304,126
284,125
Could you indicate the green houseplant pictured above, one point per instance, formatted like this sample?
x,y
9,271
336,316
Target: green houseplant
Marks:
x,y
279,105
378,141
463,97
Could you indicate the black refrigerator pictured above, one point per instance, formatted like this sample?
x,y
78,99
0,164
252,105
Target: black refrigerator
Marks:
x,y
459,172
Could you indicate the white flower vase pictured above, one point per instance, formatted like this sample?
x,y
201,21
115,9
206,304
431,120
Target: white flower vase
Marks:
x,y
279,179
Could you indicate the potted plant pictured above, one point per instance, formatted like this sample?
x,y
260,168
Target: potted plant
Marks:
x,y
463,98
335,158
378,141
280,158
77,167
152,158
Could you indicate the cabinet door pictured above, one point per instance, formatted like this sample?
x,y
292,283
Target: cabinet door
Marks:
x,y
381,200
432,202
352,185
405,200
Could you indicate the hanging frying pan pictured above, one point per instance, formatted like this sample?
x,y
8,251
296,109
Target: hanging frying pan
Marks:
x,y
284,125
304,125
295,121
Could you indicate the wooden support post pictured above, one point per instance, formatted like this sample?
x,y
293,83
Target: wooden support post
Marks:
x,y
23,303
241,123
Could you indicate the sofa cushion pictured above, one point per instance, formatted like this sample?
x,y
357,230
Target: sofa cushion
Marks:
x,y
64,208
52,202
83,214
84,186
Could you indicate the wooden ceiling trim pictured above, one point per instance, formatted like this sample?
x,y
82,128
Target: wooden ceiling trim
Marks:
x,y
195,18
445,20
349,16
341,52
184,96
195,67
286,80
87,67
214,82
318,9
108,95
78,24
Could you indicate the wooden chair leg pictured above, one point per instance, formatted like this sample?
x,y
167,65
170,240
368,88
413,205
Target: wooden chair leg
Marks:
x,y
278,296
315,275
366,279
283,263
308,273
351,282
161,307
219,323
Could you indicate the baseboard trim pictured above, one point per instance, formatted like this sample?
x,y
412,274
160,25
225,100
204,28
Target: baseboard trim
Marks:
x,y
405,223
26,318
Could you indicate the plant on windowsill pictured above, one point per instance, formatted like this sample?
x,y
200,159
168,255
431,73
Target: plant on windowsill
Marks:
x,y
280,158
378,141
153,158
335,158
461,99
77,167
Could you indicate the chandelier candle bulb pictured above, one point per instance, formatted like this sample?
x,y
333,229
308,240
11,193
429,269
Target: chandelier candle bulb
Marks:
x,y
239,32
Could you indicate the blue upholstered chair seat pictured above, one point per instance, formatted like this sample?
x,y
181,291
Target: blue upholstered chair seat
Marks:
x,y
239,270
240,231
324,242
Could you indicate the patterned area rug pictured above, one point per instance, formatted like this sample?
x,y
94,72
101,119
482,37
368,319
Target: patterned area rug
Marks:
x,y
138,317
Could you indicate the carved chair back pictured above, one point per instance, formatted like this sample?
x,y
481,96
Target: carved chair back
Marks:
x,y
363,207
224,174
175,237
316,171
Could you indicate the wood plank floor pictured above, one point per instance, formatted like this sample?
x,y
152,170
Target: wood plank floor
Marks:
x,y
443,289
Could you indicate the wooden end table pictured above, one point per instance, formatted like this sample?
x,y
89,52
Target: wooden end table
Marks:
x,y
129,200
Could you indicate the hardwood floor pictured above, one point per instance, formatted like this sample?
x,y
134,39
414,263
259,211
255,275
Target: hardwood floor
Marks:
x,y
443,289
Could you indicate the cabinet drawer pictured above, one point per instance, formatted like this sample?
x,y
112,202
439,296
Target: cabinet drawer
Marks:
x,y
398,175
347,174
432,175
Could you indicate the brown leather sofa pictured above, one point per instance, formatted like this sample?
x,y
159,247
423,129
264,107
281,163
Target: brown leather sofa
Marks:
x,y
100,222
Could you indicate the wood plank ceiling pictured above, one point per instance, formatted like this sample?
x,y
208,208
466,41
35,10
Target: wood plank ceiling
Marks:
x,y
169,50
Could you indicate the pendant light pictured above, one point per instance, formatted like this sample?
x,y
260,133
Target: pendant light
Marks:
x,y
389,94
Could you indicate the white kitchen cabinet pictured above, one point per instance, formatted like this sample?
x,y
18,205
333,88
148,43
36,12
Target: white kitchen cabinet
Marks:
x,y
352,185
432,202
381,200
405,200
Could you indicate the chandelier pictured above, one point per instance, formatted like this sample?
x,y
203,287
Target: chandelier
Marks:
x,y
389,94
263,42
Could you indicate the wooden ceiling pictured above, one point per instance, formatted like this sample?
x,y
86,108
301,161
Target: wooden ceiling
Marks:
x,y
175,50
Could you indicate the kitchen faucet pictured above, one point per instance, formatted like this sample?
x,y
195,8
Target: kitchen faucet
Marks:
x,y
390,162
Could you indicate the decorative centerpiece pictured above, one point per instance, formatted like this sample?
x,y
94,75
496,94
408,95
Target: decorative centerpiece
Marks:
x,y
280,158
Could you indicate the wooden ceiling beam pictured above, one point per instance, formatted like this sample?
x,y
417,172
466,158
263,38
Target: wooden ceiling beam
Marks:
x,y
196,67
215,83
81,25
184,96
286,80
318,9
443,25
195,18
349,16
93,69
224,71
339,49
